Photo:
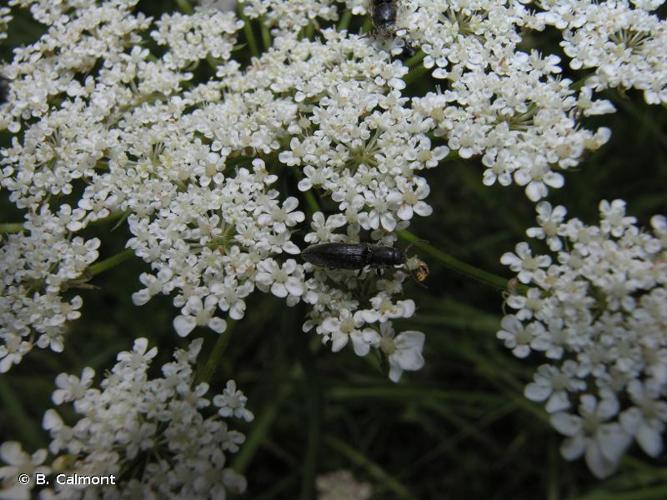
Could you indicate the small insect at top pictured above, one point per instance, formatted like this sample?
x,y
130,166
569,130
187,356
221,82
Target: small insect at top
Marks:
x,y
384,15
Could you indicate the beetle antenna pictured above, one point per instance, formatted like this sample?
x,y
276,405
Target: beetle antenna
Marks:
x,y
409,247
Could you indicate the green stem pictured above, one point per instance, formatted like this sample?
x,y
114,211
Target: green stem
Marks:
x,y
184,6
208,371
345,20
412,394
109,263
416,59
311,201
11,227
370,467
310,30
455,264
553,476
415,73
250,36
212,63
466,323
314,409
262,425
367,26
579,83
30,433
266,35
643,493
113,216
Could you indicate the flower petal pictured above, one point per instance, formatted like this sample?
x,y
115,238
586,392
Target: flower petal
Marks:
x,y
184,325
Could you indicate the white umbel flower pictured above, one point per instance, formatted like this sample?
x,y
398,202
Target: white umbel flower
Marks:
x,y
596,310
602,443
404,351
158,426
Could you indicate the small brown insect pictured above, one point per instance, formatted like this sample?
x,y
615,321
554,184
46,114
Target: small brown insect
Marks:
x,y
418,269
513,286
421,271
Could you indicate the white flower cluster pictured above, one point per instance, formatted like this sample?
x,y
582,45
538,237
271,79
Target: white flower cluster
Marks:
x,y
48,12
595,309
5,18
626,46
289,17
337,116
37,270
357,144
222,5
341,485
193,166
77,141
511,108
60,147
151,434
193,37
73,44
213,243
193,169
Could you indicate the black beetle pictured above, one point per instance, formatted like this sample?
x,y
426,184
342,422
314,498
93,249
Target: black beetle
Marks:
x,y
353,255
384,15
360,255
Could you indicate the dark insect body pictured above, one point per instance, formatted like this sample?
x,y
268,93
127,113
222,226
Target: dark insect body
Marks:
x,y
353,255
383,13
4,90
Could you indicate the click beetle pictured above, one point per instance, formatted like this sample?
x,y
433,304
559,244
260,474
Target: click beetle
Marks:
x,y
353,255
360,255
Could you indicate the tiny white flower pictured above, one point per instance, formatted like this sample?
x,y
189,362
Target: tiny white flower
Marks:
x,y
71,388
199,313
646,420
232,403
602,443
282,218
347,327
19,462
404,351
523,262
554,386
518,337
282,280
409,200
